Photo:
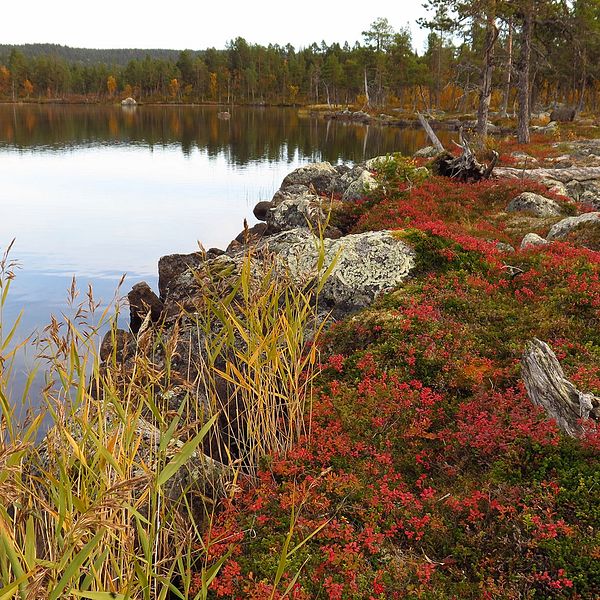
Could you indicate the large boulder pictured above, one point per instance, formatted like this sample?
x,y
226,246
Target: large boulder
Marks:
x,y
293,211
534,204
563,228
170,267
563,114
321,176
366,264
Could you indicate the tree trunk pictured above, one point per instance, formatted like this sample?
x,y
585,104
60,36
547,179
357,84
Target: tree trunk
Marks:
x,y
485,92
523,135
581,104
367,101
509,67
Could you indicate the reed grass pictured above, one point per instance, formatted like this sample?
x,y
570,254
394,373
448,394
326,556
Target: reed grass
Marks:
x,y
259,337
96,509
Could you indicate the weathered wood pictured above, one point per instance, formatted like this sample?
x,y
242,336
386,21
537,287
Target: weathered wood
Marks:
x,y
548,387
464,167
563,175
431,134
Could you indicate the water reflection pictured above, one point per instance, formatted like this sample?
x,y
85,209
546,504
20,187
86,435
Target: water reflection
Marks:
x,y
251,134
96,192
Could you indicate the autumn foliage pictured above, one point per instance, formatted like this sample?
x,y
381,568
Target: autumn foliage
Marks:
x,y
428,470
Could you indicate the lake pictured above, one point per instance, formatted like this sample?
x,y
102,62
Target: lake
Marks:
x,y
98,192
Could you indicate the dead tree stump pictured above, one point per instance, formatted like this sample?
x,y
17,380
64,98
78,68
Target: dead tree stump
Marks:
x,y
547,387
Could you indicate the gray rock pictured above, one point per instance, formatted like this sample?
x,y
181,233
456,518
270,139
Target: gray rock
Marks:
x,y
295,211
366,264
533,239
563,114
524,158
322,176
591,197
502,247
361,187
534,204
564,227
556,187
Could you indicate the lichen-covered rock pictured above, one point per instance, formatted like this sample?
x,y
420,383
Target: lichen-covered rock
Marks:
x,y
533,239
502,247
534,204
322,176
523,158
562,229
365,264
296,211
426,152
360,187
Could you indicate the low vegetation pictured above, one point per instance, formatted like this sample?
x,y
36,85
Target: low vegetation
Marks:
x,y
414,466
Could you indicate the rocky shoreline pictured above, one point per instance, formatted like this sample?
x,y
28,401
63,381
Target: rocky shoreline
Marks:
x,y
366,264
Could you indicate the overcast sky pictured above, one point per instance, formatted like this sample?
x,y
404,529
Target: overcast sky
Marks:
x,y
198,24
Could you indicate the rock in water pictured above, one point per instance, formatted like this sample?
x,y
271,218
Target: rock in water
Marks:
x,y
547,387
142,300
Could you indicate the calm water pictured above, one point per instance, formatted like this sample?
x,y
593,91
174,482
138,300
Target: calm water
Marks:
x,y
96,192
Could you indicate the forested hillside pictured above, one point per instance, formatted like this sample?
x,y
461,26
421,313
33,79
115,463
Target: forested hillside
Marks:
x,y
86,56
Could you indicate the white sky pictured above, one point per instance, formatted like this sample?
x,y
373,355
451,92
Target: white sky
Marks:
x,y
198,24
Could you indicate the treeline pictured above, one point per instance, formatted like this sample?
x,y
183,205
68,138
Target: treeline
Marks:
x,y
90,56
506,54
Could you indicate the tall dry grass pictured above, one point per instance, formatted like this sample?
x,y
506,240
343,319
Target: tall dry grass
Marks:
x,y
98,508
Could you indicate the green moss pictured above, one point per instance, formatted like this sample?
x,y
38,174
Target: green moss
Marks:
x,y
436,254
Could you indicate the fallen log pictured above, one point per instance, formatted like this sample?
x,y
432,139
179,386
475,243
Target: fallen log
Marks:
x,y
548,387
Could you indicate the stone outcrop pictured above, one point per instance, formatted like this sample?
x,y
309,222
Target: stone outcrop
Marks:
x,y
360,187
534,204
563,114
306,195
366,264
321,176
563,228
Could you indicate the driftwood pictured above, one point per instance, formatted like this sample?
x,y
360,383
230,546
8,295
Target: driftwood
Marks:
x,y
547,387
464,167
431,134
566,175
